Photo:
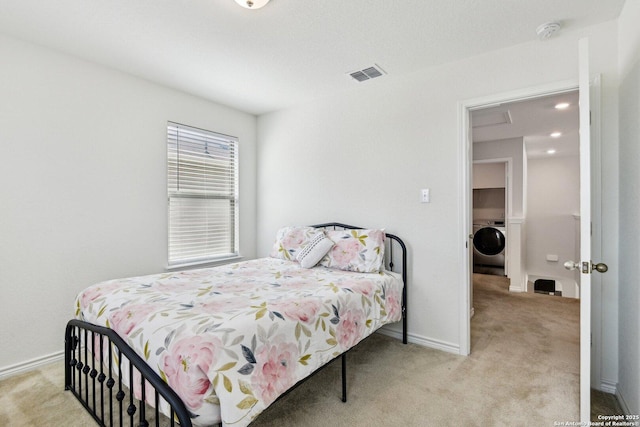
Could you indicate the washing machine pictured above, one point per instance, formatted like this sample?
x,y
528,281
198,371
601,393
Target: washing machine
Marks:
x,y
489,243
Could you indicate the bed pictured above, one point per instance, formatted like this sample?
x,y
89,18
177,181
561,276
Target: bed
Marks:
x,y
217,346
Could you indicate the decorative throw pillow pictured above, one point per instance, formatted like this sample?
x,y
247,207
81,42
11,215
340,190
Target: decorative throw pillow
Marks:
x,y
317,248
290,241
356,250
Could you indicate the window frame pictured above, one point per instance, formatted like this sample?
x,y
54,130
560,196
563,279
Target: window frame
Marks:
x,y
200,191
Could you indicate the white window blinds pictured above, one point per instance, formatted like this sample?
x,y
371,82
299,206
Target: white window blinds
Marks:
x,y
203,195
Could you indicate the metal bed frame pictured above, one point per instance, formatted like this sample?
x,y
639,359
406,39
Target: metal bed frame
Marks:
x,y
94,357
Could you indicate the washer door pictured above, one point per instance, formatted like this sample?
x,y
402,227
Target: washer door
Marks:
x,y
489,241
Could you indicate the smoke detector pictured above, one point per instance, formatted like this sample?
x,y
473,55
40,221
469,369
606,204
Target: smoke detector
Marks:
x,y
547,30
252,4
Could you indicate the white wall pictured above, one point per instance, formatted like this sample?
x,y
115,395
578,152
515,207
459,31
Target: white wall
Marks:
x,y
83,191
553,198
362,157
629,294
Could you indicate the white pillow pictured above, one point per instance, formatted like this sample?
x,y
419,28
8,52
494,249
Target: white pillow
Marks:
x,y
314,251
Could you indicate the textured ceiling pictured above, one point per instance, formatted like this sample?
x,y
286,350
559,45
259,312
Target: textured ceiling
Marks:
x,y
290,51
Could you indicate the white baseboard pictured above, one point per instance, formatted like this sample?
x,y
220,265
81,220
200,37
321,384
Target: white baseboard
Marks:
x,y
608,387
612,388
423,341
622,402
514,288
29,365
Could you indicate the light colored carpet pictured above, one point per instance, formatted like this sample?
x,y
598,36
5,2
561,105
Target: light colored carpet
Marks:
x,y
523,370
37,398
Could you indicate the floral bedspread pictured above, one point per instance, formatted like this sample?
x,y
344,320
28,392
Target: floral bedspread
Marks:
x,y
231,339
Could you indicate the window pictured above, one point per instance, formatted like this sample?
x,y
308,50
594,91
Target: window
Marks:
x,y
203,195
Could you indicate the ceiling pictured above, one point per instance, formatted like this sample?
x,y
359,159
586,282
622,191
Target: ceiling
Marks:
x,y
290,51
534,120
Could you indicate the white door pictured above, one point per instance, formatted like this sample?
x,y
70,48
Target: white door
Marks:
x,y
585,265
585,232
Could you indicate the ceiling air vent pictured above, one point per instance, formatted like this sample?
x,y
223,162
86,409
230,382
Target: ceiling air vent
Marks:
x,y
491,117
367,73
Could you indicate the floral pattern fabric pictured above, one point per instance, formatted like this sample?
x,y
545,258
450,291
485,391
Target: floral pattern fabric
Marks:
x,y
356,250
291,240
231,339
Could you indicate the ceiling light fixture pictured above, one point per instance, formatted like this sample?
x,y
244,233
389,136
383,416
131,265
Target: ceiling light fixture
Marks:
x,y
551,151
562,105
556,135
252,4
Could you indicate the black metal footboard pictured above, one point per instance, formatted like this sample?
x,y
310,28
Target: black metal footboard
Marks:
x,y
99,364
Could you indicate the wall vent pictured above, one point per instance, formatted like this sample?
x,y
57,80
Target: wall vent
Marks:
x,y
367,73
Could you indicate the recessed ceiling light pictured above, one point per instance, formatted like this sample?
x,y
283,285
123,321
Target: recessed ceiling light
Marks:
x,y
556,134
552,151
562,105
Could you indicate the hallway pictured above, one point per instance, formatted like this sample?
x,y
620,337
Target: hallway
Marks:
x,y
538,332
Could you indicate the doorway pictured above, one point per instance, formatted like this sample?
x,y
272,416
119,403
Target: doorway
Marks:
x,y
539,136
538,139
515,223
466,108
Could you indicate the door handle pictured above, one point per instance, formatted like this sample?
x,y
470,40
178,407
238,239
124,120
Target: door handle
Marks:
x,y
587,267
600,267
571,265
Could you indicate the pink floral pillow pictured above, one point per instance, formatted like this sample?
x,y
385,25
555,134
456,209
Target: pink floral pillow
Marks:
x,y
291,240
356,250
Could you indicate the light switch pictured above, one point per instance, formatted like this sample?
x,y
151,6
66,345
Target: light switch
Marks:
x,y
425,196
